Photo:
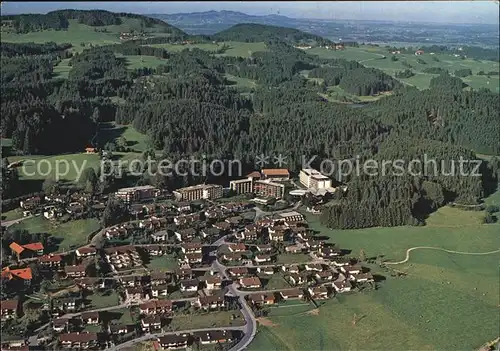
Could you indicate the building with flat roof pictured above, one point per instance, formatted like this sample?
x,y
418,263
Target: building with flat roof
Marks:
x,y
137,193
292,216
197,192
242,186
275,174
312,179
266,188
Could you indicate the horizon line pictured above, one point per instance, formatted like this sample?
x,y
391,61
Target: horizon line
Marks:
x,y
266,15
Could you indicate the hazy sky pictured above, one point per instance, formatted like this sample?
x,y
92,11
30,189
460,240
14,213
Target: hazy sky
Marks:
x,y
424,11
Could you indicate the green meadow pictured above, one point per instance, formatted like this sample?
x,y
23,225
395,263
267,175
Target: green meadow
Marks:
x,y
373,57
445,302
235,48
68,234
81,35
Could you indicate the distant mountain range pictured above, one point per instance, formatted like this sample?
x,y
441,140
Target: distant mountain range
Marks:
x,y
211,22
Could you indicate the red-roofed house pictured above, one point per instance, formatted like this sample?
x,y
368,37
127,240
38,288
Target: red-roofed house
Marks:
x,y
26,251
23,274
51,261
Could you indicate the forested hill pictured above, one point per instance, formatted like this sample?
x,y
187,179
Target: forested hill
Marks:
x,y
59,20
250,32
187,108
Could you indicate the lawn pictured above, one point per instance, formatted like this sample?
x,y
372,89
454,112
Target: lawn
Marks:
x,y
12,215
104,300
436,306
65,167
70,233
207,320
273,282
92,328
292,258
267,339
163,263
126,317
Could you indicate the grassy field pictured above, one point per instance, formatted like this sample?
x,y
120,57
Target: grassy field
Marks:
x,y
163,263
207,320
42,167
243,84
136,141
126,317
372,57
79,34
76,34
61,70
275,281
449,228
235,48
292,258
104,300
12,215
436,306
70,233
138,61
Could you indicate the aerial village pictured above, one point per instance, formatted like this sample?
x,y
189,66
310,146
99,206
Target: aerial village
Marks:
x,y
191,268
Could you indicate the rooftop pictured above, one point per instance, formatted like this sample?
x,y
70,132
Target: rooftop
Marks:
x,y
314,174
276,172
197,187
136,188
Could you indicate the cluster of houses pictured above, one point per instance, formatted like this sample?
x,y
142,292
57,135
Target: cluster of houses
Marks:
x,y
182,224
56,206
250,251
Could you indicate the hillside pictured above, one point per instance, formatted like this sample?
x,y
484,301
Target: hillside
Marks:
x,y
211,22
100,20
251,32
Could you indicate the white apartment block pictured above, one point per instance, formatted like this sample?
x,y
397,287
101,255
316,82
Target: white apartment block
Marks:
x,y
312,179
197,192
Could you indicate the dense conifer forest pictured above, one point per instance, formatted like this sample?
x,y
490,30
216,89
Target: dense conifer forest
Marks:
x,y
59,20
187,108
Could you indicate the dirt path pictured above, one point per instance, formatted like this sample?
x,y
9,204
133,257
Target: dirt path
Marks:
x,y
440,249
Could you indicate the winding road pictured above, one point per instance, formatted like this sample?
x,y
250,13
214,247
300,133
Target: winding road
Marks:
x,y
440,249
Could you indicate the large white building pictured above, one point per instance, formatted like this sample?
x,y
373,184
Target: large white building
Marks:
x,y
138,193
312,179
197,192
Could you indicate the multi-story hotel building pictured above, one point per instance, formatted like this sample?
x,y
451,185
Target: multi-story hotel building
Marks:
x,y
312,179
197,192
267,188
242,186
137,193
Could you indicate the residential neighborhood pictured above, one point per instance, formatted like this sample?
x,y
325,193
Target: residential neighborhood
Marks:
x,y
180,255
